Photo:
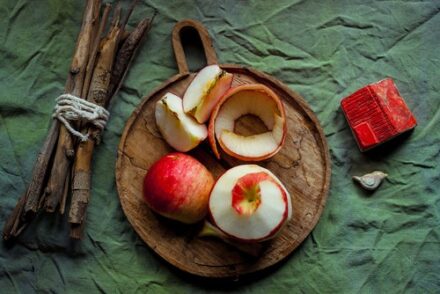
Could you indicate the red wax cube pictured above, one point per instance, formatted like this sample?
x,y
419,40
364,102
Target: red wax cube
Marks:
x,y
377,113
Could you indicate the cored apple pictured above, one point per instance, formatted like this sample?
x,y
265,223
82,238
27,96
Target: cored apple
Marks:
x,y
205,91
249,203
179,130
254,99
178,186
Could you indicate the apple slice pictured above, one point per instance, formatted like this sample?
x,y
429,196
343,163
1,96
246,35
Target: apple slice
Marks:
x,y
180,130
249,203
209,230
205,91
255,99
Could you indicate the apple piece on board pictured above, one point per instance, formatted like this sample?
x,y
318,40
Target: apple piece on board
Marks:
x,y
180,130
177,186
205,91
250,204
250,248
255,99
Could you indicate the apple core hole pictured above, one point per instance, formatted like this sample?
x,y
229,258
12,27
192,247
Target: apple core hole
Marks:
x,y
248,125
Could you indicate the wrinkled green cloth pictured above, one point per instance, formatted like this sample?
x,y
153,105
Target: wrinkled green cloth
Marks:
x,y
385,242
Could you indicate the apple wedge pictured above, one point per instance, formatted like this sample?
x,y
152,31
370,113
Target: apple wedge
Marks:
x,y
255,99
180,130
205,91
249,203
252,249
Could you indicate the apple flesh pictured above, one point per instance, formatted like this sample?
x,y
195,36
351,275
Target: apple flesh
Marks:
x,y
180,131
178,186
205,91
255,99
250,204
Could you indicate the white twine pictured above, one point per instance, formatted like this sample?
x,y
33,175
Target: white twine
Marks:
x,y
71,108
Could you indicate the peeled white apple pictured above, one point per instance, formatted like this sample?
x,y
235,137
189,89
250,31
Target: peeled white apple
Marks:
x,y
249,203
180,130
205,91
255,99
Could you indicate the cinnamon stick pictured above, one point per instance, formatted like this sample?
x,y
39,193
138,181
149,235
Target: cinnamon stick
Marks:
x,y
88,76
62,206
65,150
128,14
13,222
100,82
98,95
77,231
40,171
27,205
95,49
126,54
82,167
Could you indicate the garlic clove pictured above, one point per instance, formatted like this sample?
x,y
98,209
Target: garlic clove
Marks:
x,y
370,181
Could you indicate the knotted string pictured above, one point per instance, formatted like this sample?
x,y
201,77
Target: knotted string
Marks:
x,y
71,108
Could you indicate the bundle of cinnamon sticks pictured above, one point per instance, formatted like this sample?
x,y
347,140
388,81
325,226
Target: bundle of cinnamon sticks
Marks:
x,y
63,166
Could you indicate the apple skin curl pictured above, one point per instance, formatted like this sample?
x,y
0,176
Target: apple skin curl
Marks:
x,y
261,89
177,186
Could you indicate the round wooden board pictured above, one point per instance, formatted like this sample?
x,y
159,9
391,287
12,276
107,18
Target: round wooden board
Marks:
x,y
303,165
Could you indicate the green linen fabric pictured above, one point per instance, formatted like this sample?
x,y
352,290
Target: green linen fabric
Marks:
x,y
382,242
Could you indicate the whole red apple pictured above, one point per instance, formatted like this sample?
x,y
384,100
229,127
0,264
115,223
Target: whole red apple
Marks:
x,y
177,186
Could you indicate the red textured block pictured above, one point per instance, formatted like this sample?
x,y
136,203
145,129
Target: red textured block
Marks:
x,y
376,113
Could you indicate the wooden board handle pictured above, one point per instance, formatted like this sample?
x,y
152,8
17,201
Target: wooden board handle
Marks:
x,y
211,56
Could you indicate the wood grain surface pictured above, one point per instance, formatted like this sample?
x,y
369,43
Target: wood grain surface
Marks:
x,y
303,165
